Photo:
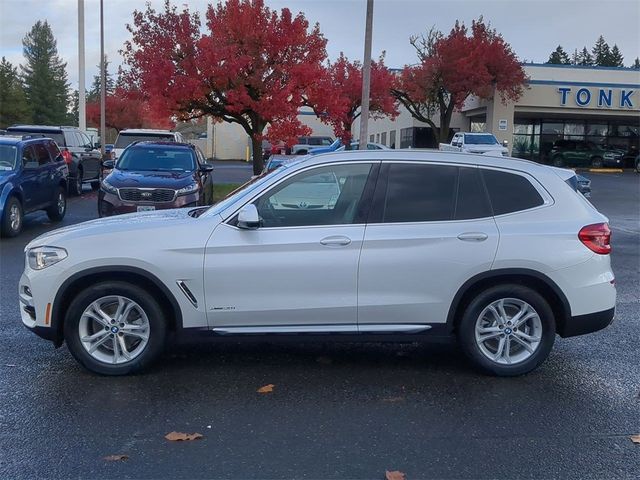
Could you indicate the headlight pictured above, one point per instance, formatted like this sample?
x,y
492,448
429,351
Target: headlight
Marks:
x,y
43,257
107,187
188,189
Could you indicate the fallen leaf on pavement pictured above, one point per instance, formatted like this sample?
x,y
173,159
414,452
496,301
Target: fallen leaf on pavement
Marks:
x,y
179,436
116,458
635,438
395,475
266,388
393,399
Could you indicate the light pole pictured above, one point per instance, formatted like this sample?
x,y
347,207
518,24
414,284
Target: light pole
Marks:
x,y
82,99
366,79
103,80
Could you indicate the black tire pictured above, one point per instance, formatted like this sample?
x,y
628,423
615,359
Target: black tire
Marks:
x,y
467,330
76,185
157,327
596,162
95,185
58,208
10,227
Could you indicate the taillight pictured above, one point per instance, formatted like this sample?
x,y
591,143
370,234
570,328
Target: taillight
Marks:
x,y
596,237
68,158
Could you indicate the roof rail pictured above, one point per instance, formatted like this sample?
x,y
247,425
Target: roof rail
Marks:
x,y
31,136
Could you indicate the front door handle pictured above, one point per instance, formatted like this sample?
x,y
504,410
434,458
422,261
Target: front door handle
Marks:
x,y
335,241
473,236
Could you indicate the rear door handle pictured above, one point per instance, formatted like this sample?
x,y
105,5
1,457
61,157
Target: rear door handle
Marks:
x,y
335,241
473,236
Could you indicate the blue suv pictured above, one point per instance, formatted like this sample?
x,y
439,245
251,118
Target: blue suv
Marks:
x,y
33,176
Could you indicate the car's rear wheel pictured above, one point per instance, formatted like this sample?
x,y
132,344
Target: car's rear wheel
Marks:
x,y
596,162
12,217
58,208
77,184
507,330
115,328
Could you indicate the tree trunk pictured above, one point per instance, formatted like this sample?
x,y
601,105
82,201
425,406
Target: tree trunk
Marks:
x,y
258,164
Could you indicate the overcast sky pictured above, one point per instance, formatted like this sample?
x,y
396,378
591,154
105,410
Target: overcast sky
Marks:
x,y
533,27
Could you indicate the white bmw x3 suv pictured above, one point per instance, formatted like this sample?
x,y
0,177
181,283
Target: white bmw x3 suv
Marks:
x,y
500,253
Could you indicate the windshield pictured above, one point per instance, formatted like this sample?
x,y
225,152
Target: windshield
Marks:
x,y
479,139
157,159
8,156
126,139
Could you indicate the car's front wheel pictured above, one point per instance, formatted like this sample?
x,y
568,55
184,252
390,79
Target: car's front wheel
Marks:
x,y
12,217
507,330
77,183
115,328
596,162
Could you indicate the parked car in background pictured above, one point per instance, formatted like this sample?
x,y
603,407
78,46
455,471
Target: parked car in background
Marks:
x,y
79,153
155,176
574,153
370,146
305,144
637,163
33,176
577,182
130,135
484,143
275,161
613,157
499,253
108,152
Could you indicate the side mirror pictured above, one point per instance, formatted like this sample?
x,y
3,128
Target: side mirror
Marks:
x,y
206,168
248,217
109,164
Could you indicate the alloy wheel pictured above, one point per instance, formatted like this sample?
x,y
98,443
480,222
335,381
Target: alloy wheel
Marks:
x,y
62,204
114,329
15,218
508,331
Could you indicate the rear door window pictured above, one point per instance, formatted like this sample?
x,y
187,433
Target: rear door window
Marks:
x,y
54,151
42,154
71,139
420,193
510,192
472,201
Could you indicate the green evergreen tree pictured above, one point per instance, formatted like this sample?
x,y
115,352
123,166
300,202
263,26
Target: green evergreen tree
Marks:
x,y
616,58
110,84
13,101
559,57
575,57
636,64
584,57
601,53
44,76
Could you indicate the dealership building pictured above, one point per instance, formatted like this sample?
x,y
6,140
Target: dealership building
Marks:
x,y
595,104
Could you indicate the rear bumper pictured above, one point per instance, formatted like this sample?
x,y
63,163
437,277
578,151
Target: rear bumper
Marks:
x,y
589,323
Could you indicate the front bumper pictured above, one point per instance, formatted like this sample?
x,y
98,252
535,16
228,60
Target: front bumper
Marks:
x,y
37,316
110,204
589,323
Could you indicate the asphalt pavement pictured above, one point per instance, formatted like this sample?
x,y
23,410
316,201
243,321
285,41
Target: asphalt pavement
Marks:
x,y
336,411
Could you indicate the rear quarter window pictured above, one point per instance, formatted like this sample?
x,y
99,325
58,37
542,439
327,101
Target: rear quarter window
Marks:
x,y
510,192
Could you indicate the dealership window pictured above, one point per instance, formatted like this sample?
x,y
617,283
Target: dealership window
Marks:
x,y
478,126
406,137
534,138
392,139
383,138
371,137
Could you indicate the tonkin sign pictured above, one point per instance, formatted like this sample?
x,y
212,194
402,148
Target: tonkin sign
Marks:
x,y
600,97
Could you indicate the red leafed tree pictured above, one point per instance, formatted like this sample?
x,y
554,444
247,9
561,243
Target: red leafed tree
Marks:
x,y
250,67
126,109
336,96
450,69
